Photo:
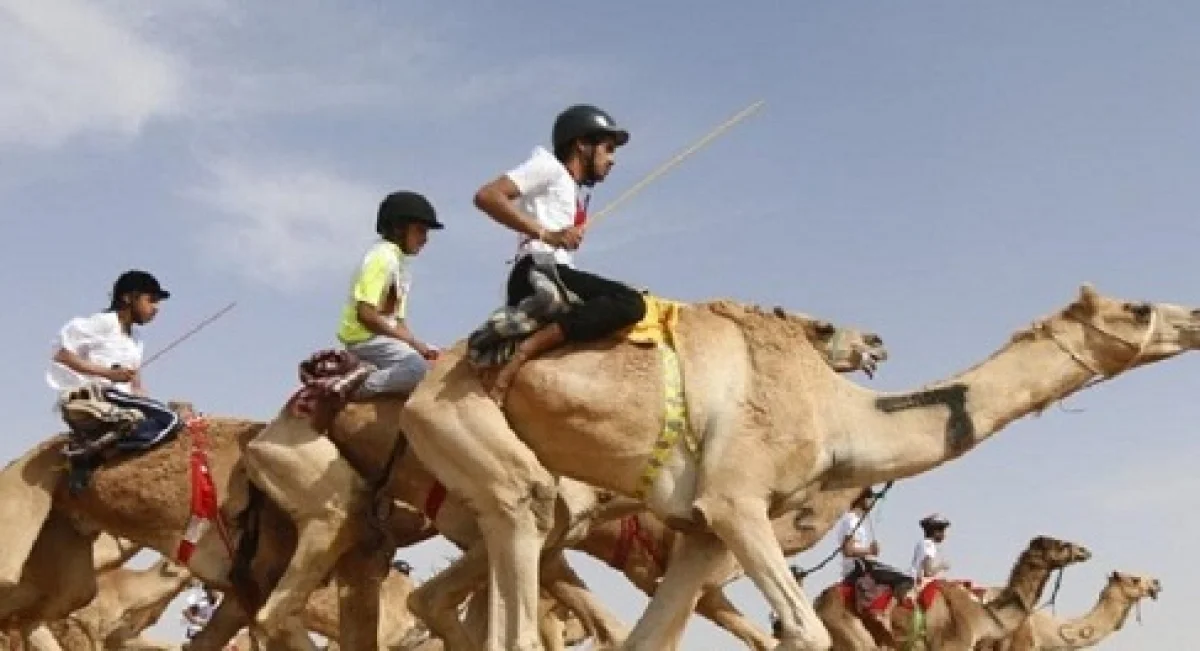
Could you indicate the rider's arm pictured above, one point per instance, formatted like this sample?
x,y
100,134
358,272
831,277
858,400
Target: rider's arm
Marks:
x,y
496,200
80,365
374,321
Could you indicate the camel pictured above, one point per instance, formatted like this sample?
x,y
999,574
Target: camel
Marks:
x,y
58,577
127,602
284,456
953,615
1045,632
775,424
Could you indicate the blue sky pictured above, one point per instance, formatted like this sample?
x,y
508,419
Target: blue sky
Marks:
x,y
939,172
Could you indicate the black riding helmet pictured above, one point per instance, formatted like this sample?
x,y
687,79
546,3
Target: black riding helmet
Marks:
x,y
405,207
583,120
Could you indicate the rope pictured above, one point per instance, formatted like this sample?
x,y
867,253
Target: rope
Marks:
x,y
800,573
185,336
1054,594
677,159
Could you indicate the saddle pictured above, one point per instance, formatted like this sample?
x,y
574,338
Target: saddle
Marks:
x,y
94,423
328,380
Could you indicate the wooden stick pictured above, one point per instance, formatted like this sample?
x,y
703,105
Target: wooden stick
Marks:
x,y
676,160
189,333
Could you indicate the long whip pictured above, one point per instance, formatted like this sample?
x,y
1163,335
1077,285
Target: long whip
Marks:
x,y
674,161
185,336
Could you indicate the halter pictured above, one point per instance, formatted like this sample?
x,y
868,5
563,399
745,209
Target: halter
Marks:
x,y
1099,375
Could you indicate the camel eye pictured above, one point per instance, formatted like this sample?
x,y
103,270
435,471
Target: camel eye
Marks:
x,y
825,330
1139,310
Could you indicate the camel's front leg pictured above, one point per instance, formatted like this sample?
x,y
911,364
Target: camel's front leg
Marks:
x,y
359,576
716,607
743,525
303,472
467,443
697,560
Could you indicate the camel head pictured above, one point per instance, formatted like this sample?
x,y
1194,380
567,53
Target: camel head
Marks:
x,y
1117,335
846,349
1133,587
1051,553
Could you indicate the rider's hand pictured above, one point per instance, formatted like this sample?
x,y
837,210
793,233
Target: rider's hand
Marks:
x,y
874,548
428,352
568,238
121,375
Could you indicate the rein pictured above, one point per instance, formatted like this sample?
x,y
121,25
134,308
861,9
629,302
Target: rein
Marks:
x,y
800,573
1098,374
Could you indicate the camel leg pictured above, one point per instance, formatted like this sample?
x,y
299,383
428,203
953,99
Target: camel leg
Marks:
x,y
717,608
468,444
359,577
562,583
302,472
227,620
744,526
846,630
436,601
41,639
699,557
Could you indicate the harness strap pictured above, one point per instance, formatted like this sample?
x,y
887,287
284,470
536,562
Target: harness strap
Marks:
x,y
632,532
675,422
434,500
204,505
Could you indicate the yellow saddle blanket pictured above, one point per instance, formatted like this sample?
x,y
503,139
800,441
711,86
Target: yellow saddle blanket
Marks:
x,y
660,323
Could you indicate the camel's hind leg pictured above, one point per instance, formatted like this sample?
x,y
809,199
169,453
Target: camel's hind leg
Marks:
x,y
697,560
745,528
562,583
303,473
716,607
467,443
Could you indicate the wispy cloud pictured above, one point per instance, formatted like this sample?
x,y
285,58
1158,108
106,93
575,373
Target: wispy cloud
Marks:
x,y
280,222
68,67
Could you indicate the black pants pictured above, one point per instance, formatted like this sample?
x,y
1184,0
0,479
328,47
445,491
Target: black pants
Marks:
x,y
898,581
608,306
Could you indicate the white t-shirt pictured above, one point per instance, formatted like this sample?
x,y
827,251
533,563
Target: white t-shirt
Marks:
x,y
926,548
861,537
99,339
550,195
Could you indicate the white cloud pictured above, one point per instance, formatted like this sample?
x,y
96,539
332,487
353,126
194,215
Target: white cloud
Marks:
x,y
69,67
280,222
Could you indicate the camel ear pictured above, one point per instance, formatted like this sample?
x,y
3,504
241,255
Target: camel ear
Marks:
x,y
1041,542
1088,297
1115,576
780,312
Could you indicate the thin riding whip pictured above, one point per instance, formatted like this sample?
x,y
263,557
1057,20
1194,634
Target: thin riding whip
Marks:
x,y
677,159
185,336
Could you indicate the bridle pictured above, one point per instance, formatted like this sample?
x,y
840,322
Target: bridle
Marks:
x,y
1099,375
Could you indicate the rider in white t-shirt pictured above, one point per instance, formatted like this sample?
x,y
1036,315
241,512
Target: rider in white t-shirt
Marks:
x,y
541,200
927,563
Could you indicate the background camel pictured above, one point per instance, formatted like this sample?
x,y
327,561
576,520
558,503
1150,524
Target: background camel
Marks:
x,y
127,602
954,617
775,423
1043,631
285,456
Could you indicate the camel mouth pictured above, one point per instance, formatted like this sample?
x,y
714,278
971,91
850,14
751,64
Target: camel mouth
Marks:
x,y
1081,555
1155,588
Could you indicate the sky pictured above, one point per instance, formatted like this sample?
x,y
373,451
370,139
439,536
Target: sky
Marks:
x,y
939,172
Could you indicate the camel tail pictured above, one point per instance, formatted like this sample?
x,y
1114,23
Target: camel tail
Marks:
x,y
27,488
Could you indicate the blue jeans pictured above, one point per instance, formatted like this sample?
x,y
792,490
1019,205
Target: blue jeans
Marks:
x,y
400,367
160,421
